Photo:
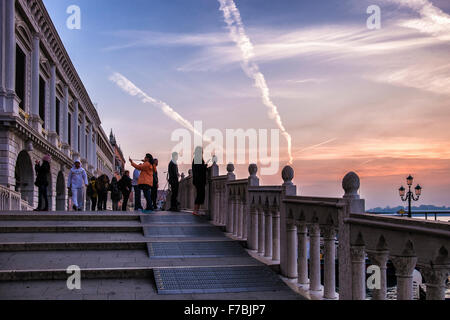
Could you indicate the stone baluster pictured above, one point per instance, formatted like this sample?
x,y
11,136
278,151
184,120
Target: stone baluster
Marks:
x,y
275,232
435,278
240,216
404,268
314,257
253,236
261,229
230,220
329,263
380,258
268,231
302,261
236,212
291,242
357,253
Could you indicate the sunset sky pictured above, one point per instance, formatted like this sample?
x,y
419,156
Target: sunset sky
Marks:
x,y
371,101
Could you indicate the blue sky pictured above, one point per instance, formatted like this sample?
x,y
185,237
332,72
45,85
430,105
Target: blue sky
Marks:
x,y
332,79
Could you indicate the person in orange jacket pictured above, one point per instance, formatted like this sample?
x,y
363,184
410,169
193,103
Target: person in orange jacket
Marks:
x,y
145,181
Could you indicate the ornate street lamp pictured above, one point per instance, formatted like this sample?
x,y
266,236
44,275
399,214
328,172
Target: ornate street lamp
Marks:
x,y
409,196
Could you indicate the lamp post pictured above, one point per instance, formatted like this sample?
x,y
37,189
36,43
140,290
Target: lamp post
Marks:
x,y
409,196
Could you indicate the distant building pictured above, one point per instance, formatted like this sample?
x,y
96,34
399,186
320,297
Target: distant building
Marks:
x,y
44,108
119,159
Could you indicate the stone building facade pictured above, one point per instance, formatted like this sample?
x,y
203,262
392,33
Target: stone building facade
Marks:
x,y
44,107
119,159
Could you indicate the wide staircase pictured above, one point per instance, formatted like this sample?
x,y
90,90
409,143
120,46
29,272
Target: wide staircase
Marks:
x,y
124,255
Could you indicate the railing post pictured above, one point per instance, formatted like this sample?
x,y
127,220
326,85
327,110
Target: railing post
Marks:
x,y
314,257
358,272
302,262
228,217
329,262
352,204
268,230
380,258
240,232
289,189
404,268
236,212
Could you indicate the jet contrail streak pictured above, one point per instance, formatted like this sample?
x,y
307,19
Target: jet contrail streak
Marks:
x,y
317,145
233,19
130,88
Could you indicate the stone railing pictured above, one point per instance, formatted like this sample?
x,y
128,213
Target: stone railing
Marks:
x,y
12,201
290,230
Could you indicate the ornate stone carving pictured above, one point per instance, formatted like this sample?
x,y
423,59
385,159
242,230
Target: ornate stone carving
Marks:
x,y
287,174
351,184
404,266
252,169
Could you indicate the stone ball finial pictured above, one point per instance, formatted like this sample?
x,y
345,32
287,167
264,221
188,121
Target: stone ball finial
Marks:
x,y
230,168
252,169
182,175
287,174
351,184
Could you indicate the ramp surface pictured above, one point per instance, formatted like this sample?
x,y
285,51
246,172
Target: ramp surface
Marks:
x,y
217,280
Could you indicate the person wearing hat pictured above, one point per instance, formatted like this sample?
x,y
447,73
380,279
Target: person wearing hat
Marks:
x,y
42,172
77,181
145,181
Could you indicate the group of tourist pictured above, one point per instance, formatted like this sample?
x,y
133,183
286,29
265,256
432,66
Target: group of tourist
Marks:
x,y
144,181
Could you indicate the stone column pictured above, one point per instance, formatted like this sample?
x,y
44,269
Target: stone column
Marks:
x,y
358,272
291,242
329,263
36,122
241,218
83,139
90,148
230,220
253,236
12,102
302,261
52,127
268,232
75,142
435,281
65,116
404,268
275,233
95,150
314,257
261,229
380,258
235,215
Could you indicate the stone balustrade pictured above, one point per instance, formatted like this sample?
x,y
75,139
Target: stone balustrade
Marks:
x,y
11,201
302,234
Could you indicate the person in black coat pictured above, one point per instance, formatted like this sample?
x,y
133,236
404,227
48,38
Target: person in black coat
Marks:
x,y
42,173
125,187
173,181
199,178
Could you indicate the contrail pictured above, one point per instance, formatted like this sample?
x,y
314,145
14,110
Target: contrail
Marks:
x,y
130,88
317,145
233,19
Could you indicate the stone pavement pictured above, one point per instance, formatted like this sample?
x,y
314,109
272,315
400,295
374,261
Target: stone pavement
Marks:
x,y
113,253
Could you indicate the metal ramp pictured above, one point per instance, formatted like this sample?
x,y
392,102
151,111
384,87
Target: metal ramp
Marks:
x,y
183,232
210,249
217,280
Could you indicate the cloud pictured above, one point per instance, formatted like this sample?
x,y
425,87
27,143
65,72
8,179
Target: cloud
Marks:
x,y
237,32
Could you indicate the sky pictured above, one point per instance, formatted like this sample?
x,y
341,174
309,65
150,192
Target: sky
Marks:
x,y
372,101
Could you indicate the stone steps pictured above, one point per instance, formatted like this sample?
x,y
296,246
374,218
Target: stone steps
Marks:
x,y
75,245
62,229
69,216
